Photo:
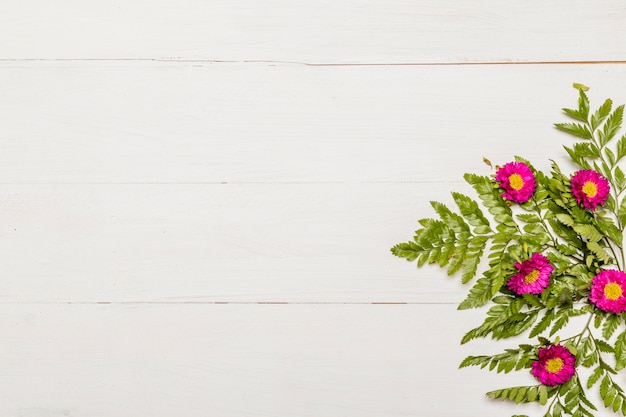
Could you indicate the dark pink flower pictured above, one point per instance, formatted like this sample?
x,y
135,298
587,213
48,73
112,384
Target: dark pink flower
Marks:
x,y
608,291
533,276
590,188
556,365
517,181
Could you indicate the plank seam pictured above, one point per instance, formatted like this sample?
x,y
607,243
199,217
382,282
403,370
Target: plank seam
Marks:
x,y
234,183
372,303
310,64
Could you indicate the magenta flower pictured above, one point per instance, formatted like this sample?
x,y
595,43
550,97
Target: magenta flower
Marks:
x,y
590,188
556,365
608,291
517,180
533,276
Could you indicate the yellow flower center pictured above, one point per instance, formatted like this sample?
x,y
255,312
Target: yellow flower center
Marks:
x,y
516,182
532,277
590,189
612,291
554,365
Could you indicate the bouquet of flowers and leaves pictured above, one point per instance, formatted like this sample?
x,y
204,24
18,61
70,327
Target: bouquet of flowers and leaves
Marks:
x,y
554,247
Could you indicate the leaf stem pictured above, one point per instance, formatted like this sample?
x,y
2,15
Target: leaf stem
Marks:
x,y
585,329
614,190
543,222
617,259
551,406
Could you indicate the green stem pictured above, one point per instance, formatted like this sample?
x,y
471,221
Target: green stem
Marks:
x,y
586,329
573,257
556,397
615,211
615,254
543,221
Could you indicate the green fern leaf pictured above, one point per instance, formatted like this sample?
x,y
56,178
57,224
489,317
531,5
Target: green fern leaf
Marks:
x,y
611,322
620,351
479,294
612,126
603,111
575,129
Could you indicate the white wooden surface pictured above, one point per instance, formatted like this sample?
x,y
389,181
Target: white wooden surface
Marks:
x,y
198,197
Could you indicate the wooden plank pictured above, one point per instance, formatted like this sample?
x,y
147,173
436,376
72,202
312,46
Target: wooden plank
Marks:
x,y
217,243
231,361
138,123
328,31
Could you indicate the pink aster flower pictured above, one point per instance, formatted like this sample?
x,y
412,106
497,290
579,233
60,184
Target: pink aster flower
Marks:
x,y
517,181
556,365
533,276
590,188
608,291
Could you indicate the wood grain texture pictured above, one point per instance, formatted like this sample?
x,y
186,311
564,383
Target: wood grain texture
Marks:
x,y
247,184
173,123
215,243
197,198
328,31
198,360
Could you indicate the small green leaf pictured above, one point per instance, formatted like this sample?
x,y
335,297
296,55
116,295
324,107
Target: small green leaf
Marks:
x,y
604,386
586,150
451,219
621,147
604,346
479,294
612,126
534,229
481,361
610,156
620,178
599,251
565,219
482,230
408,250
470,210
567,249
620,351
575,129
529,218
560,322
589,232
521,394
617,403
622,211
543,324
603,111
609,396
533,301
543,395
611,322
594,377
581,87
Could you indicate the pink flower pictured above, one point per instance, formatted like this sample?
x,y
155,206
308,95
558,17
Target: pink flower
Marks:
x,y
590,188
556,365
533,276
608,291
517,180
